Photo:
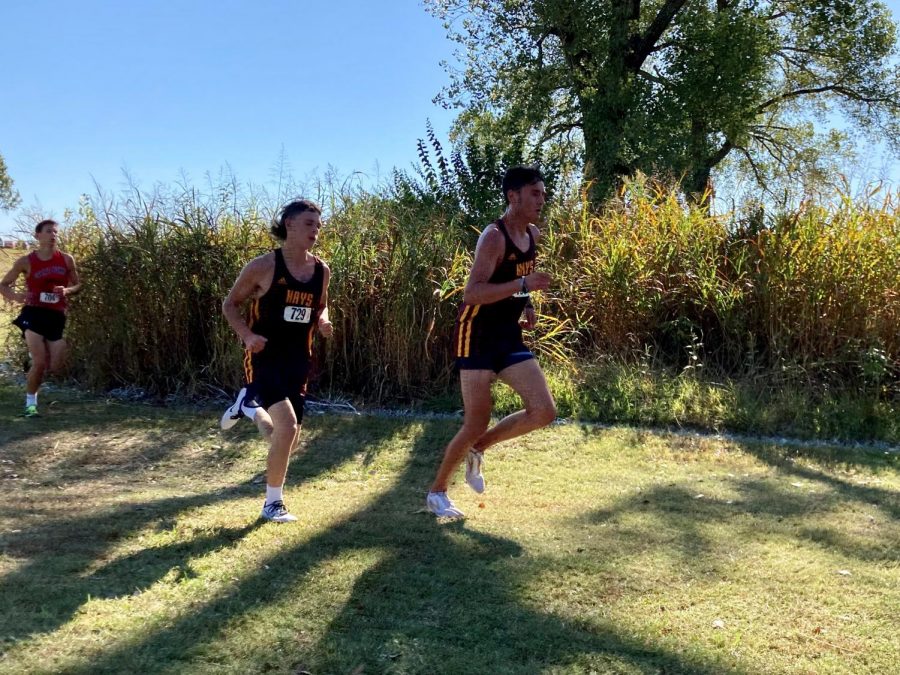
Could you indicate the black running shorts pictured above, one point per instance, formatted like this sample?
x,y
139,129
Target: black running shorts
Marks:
x,y
496,355
48,323
273,378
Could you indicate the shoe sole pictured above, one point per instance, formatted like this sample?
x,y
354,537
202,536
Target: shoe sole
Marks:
x,y
228,420
474,482
456,513
233,412
292,519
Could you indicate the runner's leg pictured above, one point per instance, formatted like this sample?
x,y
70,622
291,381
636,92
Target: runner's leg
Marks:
x,y
476,393
527,380
40,358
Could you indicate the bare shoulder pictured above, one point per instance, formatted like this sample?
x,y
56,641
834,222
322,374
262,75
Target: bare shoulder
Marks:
x,y
22,263
70,260
491,237
260,265
535,232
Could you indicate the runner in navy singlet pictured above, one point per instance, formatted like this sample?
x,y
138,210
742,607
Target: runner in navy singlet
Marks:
x,y
50,278
288,294
487,341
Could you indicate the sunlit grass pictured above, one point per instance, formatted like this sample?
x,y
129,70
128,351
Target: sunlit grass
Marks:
x,y
131,544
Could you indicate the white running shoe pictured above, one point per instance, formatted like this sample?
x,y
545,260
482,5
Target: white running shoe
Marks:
x,y
441,506
242,407
277,512
474,464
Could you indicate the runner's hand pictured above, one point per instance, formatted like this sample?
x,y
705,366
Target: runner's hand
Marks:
x,y
326,328
529,320
255,343
60,290
538,281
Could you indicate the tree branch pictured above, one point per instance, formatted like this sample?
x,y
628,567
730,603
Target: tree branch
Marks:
x,y
643,45
847,92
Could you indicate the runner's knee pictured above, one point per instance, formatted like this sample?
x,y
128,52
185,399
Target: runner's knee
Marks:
x,y
476,425
287,430
544,413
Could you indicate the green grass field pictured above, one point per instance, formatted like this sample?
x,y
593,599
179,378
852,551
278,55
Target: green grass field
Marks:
x,y
130,543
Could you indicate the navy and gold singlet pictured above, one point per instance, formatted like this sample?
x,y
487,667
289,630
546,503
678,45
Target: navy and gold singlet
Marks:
x,y
493,328
286,315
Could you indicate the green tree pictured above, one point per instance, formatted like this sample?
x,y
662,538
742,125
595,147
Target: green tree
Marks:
x,y
674,86
9,197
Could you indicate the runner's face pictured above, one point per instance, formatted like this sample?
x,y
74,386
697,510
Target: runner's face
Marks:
x,y
529,200
48,235
306,227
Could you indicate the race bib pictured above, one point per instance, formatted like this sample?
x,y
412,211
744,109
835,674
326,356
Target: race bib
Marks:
x,y
296,314
49,298
522,294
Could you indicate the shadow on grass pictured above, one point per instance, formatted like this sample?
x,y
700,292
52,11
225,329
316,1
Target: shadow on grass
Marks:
x,y
93,427
66,549
767,506
441,598
873,461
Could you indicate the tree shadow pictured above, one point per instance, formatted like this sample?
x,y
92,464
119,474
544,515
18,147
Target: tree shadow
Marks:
x,y
469,613
785,462
683,517
30,605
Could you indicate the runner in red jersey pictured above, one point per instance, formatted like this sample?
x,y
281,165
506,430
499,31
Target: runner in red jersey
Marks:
x,y
288,294
488,337
50,278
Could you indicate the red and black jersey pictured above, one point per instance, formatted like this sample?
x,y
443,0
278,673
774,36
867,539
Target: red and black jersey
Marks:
x,y
43,277
288,312
499,320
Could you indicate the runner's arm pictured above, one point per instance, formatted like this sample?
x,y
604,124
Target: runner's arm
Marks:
x,y
248,285
6,284
488,254
74,278
325,326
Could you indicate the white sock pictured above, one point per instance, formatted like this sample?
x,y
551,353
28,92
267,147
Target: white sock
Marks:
x,y
274,494
31,399
249,412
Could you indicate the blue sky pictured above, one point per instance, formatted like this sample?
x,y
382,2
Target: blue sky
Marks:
x,y
157,87
162,87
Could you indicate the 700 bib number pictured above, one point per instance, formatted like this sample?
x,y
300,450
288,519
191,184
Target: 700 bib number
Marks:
x,y
296,314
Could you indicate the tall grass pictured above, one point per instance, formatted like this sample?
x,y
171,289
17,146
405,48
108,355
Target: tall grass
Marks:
x,y
154,277
398,268
807,299
817,290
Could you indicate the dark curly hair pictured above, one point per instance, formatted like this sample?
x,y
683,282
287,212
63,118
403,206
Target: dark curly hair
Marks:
x,y
517,177
294,208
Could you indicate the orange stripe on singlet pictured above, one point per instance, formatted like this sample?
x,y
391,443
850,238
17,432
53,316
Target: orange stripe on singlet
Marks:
x,y
465,330
248,361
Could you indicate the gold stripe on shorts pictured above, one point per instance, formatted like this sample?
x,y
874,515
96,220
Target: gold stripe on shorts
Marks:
x,y
465,332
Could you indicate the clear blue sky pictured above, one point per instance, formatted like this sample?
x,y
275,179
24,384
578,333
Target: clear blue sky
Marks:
x,y
157,87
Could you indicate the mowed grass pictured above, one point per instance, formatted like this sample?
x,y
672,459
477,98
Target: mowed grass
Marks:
x,y
130,543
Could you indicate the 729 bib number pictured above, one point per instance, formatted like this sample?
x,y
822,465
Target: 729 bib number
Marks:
x,y
296,314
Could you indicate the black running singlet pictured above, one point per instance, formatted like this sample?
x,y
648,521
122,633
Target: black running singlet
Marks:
x,y
288,312
476,324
